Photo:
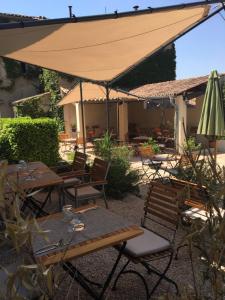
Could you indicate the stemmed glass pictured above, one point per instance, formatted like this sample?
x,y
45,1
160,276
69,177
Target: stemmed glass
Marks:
x,y
75,224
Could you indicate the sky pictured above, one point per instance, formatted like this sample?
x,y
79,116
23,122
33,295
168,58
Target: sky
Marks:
x,y
198,52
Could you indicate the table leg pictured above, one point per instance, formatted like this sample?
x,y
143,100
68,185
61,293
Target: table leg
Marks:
x,y
86,283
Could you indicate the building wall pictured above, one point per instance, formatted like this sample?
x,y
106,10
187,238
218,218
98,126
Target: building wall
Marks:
x,y
193,114
149,118
95,114
21,88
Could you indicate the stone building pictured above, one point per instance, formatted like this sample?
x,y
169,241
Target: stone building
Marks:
x,y
17,80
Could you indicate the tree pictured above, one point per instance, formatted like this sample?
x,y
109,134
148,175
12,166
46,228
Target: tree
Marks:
x,y
157,68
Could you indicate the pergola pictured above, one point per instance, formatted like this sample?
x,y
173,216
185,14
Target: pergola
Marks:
x,y
100,49
96,94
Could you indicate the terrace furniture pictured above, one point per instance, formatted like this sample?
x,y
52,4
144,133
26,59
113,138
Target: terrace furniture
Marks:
x,y
95,187
148,162
36,178
67,142
160,208
102,229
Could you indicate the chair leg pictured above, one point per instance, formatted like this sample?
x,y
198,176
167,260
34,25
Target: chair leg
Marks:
x,y
122,271
161,275
104,197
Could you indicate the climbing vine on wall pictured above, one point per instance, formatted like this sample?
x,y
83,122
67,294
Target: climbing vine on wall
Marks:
x,y
31,108
50,83
15,69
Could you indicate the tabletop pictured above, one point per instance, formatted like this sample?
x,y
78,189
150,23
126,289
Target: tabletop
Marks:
x,y
36,175
102,229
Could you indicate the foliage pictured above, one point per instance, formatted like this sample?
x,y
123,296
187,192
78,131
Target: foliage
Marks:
x,y
208,236
29,140
153,144
103,146
156,68
27,279
191,145
31,108
50,83
121,179
15,69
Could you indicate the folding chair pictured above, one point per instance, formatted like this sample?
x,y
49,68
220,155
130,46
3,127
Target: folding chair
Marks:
x,y
147,160
161,207
95,187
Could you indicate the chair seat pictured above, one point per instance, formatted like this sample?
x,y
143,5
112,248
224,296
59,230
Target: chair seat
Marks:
x,y
146,244
85,192
149,162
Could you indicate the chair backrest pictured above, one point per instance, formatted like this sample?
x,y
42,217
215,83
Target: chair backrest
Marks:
x,y
79,161
99,170
146,152
161,205
62,136
191,191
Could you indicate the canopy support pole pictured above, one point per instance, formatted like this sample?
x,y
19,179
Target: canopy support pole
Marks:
x,y
82,114
107,107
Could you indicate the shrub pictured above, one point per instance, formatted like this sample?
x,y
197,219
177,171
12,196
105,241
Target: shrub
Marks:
x,y
121,179
191,145
103,147
29,139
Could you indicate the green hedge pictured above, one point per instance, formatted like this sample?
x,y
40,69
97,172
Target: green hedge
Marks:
x,y
29,139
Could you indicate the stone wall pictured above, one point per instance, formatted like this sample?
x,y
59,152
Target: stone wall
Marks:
x,y
12,90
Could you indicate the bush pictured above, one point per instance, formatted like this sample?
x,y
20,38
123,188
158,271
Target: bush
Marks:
x,y
29,139
103,147
121,179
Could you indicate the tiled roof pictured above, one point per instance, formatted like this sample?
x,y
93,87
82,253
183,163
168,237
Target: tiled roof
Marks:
x,y
20,17
169,88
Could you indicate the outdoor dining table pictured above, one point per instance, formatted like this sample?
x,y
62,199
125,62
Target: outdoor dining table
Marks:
x,y
102,229
35,176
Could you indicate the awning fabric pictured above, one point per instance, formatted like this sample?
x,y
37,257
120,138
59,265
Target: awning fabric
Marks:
x,y
100,49
94,93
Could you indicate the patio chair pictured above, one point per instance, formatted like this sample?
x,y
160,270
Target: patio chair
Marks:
x,y
182,164
160,208
95,187
147,160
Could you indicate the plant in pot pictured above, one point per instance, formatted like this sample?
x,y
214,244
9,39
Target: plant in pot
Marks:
x,y
74,127
153,144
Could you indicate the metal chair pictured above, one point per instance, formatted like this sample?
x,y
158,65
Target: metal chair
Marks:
x,y
147,159
95,187
161,208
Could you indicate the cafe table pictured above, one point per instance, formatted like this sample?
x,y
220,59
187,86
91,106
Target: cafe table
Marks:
x,y
102,229
35,177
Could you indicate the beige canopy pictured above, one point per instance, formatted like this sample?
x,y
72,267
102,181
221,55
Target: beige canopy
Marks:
x,y
93,93
99,49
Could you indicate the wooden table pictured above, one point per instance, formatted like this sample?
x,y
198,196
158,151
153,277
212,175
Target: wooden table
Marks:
x,y
42,175
36,176
108,239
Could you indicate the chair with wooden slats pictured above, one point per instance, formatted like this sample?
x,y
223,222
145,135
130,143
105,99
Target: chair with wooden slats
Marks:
x,y
77,170
161,207
193,195
93,189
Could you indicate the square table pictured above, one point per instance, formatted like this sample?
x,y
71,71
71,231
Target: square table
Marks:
x,y
102,229
32,178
